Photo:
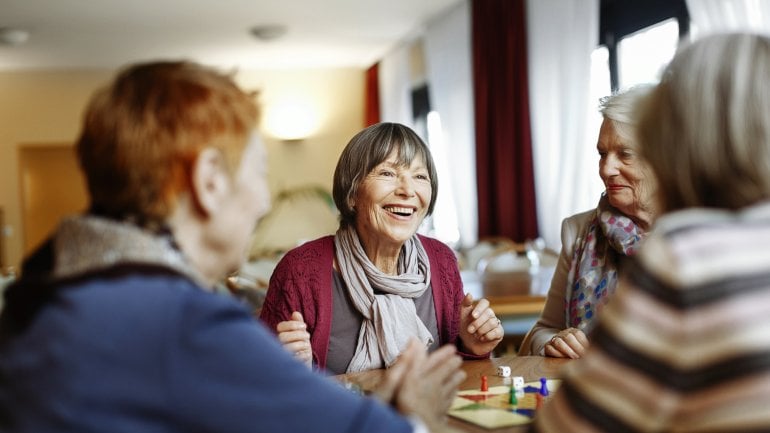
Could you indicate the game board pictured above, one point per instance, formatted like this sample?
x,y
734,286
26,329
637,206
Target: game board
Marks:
x,y
491,409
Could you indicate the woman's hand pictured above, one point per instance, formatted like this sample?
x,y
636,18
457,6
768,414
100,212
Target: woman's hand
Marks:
x,y
480,329
295,338
569,343
423,385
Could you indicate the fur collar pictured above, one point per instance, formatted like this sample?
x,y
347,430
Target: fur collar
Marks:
x,y
84,244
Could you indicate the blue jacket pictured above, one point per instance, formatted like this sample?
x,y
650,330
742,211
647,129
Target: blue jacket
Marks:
x,y
144,349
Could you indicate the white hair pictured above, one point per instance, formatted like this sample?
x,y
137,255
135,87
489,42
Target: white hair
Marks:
x,y
620,108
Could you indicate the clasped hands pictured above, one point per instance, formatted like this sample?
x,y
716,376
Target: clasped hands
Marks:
x,y
568,343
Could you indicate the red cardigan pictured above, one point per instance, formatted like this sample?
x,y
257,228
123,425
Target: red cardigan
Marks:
x,y
303,280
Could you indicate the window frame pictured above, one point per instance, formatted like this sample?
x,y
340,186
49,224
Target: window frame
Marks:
x,y
619,18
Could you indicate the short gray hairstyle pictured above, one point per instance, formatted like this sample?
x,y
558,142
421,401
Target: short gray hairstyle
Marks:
x,y
705,129
369,148
620,109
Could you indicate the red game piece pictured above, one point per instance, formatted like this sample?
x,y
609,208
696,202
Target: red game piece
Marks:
x,y
484,384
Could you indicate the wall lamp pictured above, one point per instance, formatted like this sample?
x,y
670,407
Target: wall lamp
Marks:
x,y
291,118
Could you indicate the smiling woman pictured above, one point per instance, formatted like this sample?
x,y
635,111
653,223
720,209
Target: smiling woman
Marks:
x,y
594,242
391,203
351,301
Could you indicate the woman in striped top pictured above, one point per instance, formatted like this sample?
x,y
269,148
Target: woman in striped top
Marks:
x,y
684,345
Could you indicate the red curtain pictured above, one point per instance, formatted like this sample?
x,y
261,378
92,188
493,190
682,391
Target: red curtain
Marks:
x,y
372,96
504,167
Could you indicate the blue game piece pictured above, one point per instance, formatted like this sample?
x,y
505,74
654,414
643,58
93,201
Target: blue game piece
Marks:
x,y
543,387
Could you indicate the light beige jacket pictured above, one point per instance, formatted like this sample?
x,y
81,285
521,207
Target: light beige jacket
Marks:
x,y
554,318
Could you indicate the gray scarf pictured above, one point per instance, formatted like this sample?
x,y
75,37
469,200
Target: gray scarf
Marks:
x,y
390,318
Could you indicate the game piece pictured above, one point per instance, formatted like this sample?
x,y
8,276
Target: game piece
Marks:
x,y
484,384
543,387
504,371
500,406
518,383
520,392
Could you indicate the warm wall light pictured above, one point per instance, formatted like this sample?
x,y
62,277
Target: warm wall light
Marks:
x,y
11,36
291,118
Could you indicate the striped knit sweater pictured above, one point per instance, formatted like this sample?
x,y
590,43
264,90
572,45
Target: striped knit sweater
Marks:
x,y
685,343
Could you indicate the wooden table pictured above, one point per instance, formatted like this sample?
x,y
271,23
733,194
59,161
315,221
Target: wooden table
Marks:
x,y
510,293
531,367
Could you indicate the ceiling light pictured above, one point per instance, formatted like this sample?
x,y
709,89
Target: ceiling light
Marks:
x,y
13,36
268,32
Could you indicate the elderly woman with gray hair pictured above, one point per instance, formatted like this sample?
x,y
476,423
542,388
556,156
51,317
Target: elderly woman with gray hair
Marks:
x,y
350,302
595,242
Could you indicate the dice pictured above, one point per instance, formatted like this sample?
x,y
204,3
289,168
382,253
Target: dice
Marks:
x,y
518,383
504,371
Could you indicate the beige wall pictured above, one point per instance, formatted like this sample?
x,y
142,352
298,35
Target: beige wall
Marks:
x,y
45,107
35,107
335,96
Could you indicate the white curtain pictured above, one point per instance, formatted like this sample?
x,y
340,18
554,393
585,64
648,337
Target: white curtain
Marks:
x,y
447,43
561,35
714,16
395,86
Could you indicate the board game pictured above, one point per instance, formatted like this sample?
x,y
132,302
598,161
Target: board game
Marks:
x,y
492,408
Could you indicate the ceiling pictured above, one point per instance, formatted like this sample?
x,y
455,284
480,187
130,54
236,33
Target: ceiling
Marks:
x,y
111,33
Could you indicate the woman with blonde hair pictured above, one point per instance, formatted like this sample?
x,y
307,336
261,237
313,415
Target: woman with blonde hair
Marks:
x,y
683,346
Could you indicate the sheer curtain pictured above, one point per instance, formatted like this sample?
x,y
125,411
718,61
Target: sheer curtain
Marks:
x,y
713,16
562,34
447,43
396,87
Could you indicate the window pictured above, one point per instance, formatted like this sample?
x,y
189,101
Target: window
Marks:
x,y
427,123
641,37
644,54
444,219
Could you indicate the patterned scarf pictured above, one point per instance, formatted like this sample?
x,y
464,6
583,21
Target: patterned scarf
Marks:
x,y
593,275
390,317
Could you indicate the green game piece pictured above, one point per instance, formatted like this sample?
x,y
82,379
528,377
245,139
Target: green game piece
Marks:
x,y
514,401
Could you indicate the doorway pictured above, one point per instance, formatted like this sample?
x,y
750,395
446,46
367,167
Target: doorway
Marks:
x,y
52,187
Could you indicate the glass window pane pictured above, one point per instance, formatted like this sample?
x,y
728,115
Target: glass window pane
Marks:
x,y
644,54
445,215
